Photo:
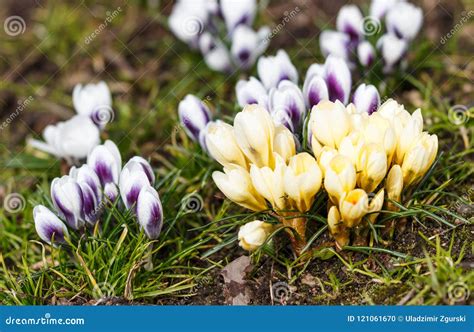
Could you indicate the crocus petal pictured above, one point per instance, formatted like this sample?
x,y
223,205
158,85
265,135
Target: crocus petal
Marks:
x,y
48,226
338,79
150,212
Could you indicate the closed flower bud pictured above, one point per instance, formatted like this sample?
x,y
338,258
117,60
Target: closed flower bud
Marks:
x,y
353,206
288,98
48,226
392,49
268,182
254,131
409,135
325,157
94,101
372,165
85,174
375,205
284,143
274,69
394,186
419,158
132,179
150,212
349,20
335,43
365,53
216,55
378,8
238,12
145,166
193,115
302,180
351,146
188,19
330,123
253,234
91,207
339,177
250,92
314,89
106,162
248,45
67,198
378,130
111,191
366,99
337,228
222,146
404,20
338,79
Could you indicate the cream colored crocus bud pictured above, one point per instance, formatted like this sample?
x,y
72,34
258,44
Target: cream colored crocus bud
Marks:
x,y
375,205
337,228
419,158
378,130
372,166
222,146
351,147
353,206
237,186
268,182
325,158
394,186
330,123
339,177
254,131
302,180
409,135
284,142
253,234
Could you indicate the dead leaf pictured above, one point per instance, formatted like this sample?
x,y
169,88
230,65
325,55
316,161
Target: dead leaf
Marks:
x,y
236,290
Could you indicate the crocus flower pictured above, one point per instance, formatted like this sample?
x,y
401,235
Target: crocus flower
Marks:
x,y
132,179
284,142
149,212
288,98
330,123
236,12
253,234
145,166
274,69
85,174
248,45
353,206
349,20
71,139
393,50
378,8
111,191
216,55
339,177
250,91
337,228
372,165
106,161
366,99
338,79
335,43
365,53
94,101
193,115
404,20
48,226
68,200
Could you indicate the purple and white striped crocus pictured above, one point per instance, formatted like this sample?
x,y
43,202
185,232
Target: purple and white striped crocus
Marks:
x,y
48,226
274,69
349,20
393,50
365,53
248,45
366,99
315,88
149,211
106,162
288,99
68,200
193,115
91,190
132,179
251,91
236,13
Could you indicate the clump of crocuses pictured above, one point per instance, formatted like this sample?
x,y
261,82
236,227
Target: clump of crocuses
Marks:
x,y
222,31
80,197
361,40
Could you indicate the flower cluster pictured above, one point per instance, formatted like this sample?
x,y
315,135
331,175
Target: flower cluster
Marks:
x,y
80,197
403,21
222,31
74,138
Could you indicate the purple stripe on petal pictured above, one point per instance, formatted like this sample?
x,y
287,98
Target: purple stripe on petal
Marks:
x,y
191,127
153,227
314,97
373,106
336,92
132,195
104,172
57,232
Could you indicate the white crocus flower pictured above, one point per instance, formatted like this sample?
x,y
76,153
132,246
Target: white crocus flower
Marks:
x,y
248,45
236,12
404,20
94,101
274,69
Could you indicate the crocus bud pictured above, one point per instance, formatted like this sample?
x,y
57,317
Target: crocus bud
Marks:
x,y
366,98
188,19
315,88
236,185
330,123
335,43
274,69
111,191
132,179
250,92
149,212
409,135
325,156
419,158
106,162
194,115
393,49
338,79
337,228
365,53
253,234
238,12
91,207
145,166
73,138
48,226
216,55
404,20
85,174
67,198
254,131
268,182
351,147
378,8
339,177
94,101
349,20
288,98
375,205
222,146
378,130
248,45
372,165
302,180
353,206
284,143
394,186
